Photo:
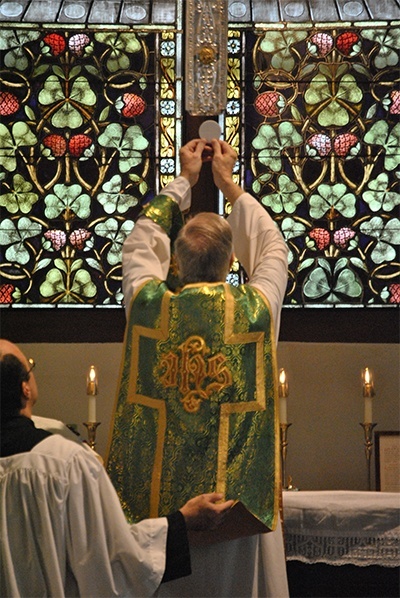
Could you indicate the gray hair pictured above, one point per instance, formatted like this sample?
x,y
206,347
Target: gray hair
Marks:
x,y
204,248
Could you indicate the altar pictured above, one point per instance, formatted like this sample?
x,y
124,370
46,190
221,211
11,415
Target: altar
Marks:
x,y
342,543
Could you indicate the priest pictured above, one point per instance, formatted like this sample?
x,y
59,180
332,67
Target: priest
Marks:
x,y
196,406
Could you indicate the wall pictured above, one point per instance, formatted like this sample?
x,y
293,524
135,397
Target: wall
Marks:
x,y
325,405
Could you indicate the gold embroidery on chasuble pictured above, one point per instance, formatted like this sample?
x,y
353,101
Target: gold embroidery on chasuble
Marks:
x,y
196,409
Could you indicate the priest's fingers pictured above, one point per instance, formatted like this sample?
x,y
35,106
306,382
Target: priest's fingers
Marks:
x,y
205,512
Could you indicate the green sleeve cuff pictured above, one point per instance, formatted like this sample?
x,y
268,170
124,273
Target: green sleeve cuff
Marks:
x,y
165,212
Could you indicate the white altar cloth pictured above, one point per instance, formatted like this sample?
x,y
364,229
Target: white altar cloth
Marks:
x,y
342,527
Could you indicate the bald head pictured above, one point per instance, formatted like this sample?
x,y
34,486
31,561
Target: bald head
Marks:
x,y
8,348
204,249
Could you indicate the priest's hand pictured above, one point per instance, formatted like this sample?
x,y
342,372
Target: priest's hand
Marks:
x,y
223,161
205,512
192,160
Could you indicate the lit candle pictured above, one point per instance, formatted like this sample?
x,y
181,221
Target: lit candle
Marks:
x,y
283,394
368,393
91,391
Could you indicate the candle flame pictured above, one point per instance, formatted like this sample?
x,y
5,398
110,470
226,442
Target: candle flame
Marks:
x,y
283,386
367,376
92,374
368,389
92,382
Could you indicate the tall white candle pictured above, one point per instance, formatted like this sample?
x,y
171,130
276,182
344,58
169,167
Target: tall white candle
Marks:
x,y
283,394
368,410
91,391
368,393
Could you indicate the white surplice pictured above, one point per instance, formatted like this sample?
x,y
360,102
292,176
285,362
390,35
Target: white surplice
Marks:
x,y
253,566
63,532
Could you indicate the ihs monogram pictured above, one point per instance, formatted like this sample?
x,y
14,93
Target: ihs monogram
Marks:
x,y
196,374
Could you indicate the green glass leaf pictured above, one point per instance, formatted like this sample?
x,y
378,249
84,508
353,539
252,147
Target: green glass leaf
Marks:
x,y
287,197
58,72
67,116
17,58
113,199
10,141
94,264
348,284
382,253
256,187
322,284
379,197
119,44
333,115
356,261
82,93
292,228
116,234
8,39
70,196
270,143
107,229
23,136
53,285
335,112
307,263
42,264
371,111
132,146
391,231
20,198
389,42
279,43
9,233
316,284
143,188
25,36
74,72
288,135
318,90
82,284
128,42
61,265
112,135
51,92
392,157
379,134
29,113
257,82
39,70
332,196
104,114
386,234
76,264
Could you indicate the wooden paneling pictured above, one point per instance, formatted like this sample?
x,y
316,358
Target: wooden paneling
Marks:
x,y
106,325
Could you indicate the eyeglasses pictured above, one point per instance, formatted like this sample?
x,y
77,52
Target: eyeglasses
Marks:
x,y
32,364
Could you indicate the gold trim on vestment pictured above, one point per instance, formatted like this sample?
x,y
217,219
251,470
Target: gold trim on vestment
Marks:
x,y
226,409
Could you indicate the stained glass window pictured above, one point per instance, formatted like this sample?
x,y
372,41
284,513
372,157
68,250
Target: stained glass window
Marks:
x,y
314,113
91,123
325,154
80,148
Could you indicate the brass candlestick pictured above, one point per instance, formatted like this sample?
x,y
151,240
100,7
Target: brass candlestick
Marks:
x,y
284,444
368,428
91,428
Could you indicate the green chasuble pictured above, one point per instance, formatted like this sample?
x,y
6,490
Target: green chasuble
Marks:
x,y
196,405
